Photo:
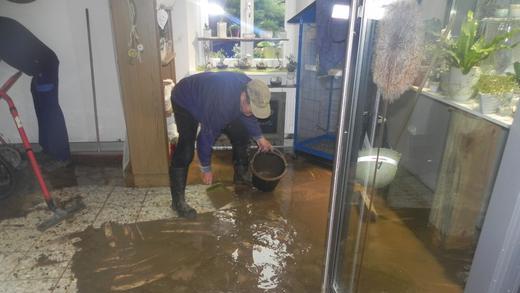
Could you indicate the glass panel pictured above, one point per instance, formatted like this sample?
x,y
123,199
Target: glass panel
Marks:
x,y
415,190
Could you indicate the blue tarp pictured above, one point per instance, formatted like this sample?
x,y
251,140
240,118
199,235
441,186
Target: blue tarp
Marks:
x,y
332,34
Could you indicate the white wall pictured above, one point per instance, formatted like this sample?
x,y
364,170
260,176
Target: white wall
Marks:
x,y
186,24
61,25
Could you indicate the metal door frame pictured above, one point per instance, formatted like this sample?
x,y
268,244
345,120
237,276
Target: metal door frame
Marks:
x,y
496,262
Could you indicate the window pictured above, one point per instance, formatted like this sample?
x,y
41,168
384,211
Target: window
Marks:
x,y
261,19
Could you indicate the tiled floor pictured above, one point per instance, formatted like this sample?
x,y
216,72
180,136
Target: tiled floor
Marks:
x,y
250,243
34,261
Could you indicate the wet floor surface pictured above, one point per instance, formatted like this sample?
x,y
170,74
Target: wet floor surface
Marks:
x,y
129,240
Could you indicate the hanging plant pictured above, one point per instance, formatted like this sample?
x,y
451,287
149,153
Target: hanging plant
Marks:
x,y
398,49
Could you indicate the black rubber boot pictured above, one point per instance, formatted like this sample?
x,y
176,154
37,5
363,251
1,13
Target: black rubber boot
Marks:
x,y
178,178
241,175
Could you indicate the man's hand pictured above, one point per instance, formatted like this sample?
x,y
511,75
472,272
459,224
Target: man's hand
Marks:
x,y
264,145
207,177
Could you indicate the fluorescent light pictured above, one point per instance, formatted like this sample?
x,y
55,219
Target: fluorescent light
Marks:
x,y
215,9
340,11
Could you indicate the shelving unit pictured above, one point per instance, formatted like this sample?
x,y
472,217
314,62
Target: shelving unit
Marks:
x,y
471,107
231,39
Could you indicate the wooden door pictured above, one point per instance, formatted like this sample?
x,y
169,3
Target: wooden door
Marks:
x,y
142,94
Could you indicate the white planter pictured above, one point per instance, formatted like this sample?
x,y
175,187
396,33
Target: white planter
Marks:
x,y
501,12
515,10
461,86
488,104
221,29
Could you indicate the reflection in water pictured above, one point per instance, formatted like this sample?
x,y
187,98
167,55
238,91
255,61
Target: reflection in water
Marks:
x,y
260,242
270,256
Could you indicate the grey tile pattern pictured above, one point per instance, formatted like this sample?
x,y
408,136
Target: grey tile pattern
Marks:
x,y
34,261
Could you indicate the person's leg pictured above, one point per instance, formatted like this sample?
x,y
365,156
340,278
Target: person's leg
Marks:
x,y
181,160
37,110
54,138
24,51
239,137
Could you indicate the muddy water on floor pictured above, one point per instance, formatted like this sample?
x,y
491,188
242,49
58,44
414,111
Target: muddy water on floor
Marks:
x,y
84,171
265,243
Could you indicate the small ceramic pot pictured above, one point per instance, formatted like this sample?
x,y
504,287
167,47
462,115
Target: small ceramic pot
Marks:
x,y
501,12
461,86
221,29
488,104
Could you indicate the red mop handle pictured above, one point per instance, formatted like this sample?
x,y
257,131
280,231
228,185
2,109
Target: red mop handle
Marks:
x,y
26,145
9,83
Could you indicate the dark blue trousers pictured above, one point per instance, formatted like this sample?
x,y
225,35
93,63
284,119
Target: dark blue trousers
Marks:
x,y
24,51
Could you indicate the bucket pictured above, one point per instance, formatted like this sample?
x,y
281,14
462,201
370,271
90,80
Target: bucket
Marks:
x,y
387,165
267,169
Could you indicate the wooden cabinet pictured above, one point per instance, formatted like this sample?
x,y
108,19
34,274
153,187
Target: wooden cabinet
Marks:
x,y
142,93
473,150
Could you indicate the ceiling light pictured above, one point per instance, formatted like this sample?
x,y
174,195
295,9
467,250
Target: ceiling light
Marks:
x,y
340,11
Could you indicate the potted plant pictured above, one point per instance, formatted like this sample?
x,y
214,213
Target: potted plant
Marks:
x,y
291,63
465,53
242,61
234,30
222,56
494,89
261,65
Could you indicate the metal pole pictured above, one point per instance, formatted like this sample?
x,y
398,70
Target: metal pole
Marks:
x,y
93,81
342,158
298,84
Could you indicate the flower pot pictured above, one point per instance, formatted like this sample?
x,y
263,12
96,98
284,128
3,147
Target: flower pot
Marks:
x,y
501,12
460,86
221,29
234,31
488,103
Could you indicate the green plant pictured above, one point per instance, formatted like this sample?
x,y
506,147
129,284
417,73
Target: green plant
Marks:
x,y
496,85
220,54
470,48
237,52
258,53
291,63
265,44
516,65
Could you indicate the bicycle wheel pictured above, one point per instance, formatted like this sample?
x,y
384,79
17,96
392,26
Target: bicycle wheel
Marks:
x,y
11,155
7,179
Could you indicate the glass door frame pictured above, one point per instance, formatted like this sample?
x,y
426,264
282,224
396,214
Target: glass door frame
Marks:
x,y
497,258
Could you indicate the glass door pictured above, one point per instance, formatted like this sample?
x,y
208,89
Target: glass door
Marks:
x,y
419,142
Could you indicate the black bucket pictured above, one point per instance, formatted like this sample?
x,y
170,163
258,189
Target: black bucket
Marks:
x,y
267,169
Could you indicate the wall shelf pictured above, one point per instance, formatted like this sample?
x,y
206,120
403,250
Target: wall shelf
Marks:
x,y
242,39
471,106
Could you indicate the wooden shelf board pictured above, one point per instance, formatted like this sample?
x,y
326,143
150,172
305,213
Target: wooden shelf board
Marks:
x,y
242,39
469,107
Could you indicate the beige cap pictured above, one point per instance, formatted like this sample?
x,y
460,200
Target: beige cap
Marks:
x,y
260,96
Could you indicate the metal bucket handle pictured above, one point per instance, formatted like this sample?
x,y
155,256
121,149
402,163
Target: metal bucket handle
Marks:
x,y
275,151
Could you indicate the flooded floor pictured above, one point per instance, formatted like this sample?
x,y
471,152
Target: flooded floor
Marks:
x,y
129,240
